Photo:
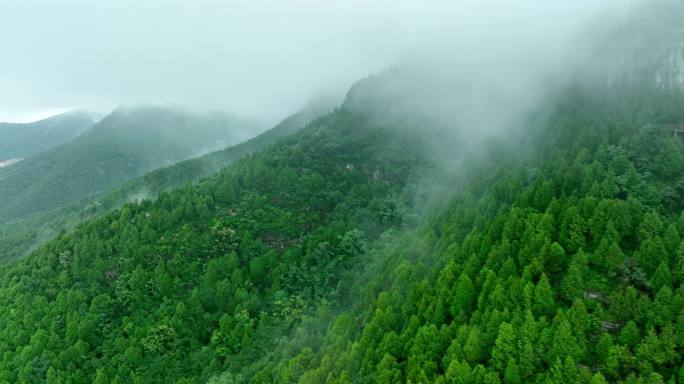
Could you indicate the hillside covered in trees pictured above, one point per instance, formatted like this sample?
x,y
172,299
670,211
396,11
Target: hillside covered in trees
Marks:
x,y
308,262
424,231
563,266
127,143
269,235
20,236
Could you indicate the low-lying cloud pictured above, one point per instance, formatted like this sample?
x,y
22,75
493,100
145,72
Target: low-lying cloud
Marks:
x,y
261,59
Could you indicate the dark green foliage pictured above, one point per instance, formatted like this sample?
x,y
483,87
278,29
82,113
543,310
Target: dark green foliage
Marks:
x,y
565,268
205,278
558,260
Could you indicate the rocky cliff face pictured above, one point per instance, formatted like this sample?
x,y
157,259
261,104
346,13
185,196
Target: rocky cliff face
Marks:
x,y
647,48
659,61
669,70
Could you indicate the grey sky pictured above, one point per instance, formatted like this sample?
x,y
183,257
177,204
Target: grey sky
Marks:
x,y
257,58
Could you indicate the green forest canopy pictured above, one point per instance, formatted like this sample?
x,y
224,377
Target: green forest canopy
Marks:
x,y
558,259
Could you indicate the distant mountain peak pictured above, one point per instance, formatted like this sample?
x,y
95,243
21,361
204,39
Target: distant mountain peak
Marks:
x,y
22,140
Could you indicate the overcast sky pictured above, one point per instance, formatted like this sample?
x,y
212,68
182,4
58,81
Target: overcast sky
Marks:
x,y
256,58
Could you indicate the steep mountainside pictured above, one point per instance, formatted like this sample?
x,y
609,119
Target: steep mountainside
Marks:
x,y
18,237
192,170
561,263
558,259
125,144
182,286
19,141
389,241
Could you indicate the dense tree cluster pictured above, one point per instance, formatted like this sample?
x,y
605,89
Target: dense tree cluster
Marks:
x,y
563,266
168,290
559,258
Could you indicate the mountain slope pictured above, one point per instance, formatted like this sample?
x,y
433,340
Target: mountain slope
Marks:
x,y
356,251
556,260
560,263
19,141
18,237
140,294
125,144
152,183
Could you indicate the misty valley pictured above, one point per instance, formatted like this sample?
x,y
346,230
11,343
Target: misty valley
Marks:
x,y
318,192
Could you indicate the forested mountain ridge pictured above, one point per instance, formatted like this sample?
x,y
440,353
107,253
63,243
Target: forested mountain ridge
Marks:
x,y
126,143
557,260
401,238
206,277
21,140
18,237
192,170
560,263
